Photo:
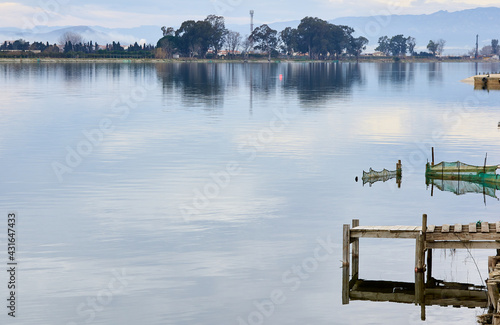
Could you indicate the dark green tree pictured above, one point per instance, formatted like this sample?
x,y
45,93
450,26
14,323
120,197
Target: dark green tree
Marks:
x,y
384,45
168,44
397,45
217,33
288,38
357,45
186,37
312,36
433,47
68,47
264,38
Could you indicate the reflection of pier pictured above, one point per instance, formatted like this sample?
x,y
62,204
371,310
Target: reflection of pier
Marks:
x,y
423,291
434,292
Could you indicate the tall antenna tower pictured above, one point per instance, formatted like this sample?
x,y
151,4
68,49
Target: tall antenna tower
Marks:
x,y
477,46
251,21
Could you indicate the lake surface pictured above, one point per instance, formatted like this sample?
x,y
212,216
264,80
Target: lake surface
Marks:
x,y
189,193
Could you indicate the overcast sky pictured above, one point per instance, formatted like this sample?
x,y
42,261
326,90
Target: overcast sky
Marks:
x,y
126,13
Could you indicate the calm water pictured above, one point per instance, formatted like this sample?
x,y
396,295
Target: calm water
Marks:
x,y
194,193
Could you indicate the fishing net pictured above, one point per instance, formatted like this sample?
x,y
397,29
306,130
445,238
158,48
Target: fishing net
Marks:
x,y
459,168
373,176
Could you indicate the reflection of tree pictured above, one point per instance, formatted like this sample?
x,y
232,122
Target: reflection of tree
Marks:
x,y
322,81
197,83
435,72
263,77
206,84
397,73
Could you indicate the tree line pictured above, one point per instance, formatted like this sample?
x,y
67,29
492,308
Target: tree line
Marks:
x,y
315,37
72,44
399,45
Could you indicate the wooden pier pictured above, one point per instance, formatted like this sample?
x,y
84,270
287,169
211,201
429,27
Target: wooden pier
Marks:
x,y
487,82
493,285
475,235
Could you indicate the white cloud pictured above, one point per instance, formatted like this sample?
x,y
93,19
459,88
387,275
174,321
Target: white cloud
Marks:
x,y
124,14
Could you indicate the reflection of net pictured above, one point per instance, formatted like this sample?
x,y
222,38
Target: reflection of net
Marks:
x,y
458,168
463,187
373,176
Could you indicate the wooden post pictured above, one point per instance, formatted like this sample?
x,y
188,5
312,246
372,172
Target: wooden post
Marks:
x,y
355,252
419,252
345,265
345,285
429,265
420,293
424,224
346,242
432,156
424,238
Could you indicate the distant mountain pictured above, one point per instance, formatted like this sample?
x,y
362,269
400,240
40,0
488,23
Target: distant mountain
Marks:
x,y
458,29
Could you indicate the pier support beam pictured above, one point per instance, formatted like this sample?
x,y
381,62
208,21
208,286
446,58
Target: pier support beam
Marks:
x,y
420,247
345,264
429,265
355,253
345,245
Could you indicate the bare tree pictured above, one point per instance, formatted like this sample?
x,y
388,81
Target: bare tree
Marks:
x,y
233,40
168,31
246,45
72,37
440,46
410,41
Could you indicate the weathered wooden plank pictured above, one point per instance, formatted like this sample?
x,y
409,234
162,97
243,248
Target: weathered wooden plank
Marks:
x,y
386,228
380,296
384,234
458,227
346,244
463,245
485,227
345,285
472,227
498,226
463,236
419,253
431,228
445,228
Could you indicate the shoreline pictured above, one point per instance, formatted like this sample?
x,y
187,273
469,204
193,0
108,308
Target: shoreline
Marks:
x,y
147,60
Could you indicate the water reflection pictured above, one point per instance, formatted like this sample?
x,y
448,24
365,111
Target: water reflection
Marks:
x,y
435,72
207,83
322,81
196,83
396,73
462,187
431,293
